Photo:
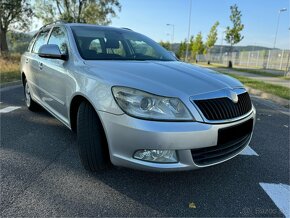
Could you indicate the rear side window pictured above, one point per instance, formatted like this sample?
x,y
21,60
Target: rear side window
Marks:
x,y
41,40
58,38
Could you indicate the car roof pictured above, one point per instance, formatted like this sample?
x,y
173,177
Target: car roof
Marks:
x,y
61,23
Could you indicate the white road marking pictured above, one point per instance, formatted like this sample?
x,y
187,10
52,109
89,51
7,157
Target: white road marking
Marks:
x,y
280,195
8,109
286,126
248,151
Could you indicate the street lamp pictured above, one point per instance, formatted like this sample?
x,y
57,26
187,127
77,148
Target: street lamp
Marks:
x,y
222,40
188,34
281,10
172,35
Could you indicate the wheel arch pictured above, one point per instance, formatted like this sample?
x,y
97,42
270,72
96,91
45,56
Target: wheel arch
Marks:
x,y
73,110
77,99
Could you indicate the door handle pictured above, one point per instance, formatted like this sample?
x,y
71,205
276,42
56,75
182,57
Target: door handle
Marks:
x,y
40,65
26,60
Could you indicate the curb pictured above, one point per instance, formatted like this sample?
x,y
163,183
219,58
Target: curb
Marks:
x,y
264,95
14,83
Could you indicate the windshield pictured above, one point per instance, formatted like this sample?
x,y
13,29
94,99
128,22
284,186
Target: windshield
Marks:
x,y
100,43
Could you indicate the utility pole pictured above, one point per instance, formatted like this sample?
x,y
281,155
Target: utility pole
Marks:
x,y
279,13
188,34
172,35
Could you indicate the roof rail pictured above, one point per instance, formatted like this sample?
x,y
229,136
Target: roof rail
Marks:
x,y
125,28
55,22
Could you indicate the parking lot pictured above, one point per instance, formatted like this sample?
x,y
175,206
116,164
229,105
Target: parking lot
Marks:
x,y
41,174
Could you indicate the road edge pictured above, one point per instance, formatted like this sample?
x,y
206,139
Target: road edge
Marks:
x,y
10,87
14,83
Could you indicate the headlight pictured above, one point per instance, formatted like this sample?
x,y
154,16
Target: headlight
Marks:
x,y
148,106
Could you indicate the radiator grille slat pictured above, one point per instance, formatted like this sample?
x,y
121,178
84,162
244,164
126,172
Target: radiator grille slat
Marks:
x,y
224,108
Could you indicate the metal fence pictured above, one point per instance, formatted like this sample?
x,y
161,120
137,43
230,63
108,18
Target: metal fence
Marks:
x,y
265,59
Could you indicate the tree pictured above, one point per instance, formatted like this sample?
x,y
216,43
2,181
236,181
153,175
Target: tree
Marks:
x,y
211,37
198,46
18,41
14,14
79,11
190,45
165,45
181,49
233,34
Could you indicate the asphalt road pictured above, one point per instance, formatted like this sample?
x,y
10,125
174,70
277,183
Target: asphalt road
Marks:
x,y
41,174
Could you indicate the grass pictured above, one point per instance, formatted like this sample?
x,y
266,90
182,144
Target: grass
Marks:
x,y
9,68
252,71
261,73
277,90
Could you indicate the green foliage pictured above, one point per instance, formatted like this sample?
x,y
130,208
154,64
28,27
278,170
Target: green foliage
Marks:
x,y
81,11
14,14
277,90
18,42
191,42
211,37
233,34
165,45
182,49
197,47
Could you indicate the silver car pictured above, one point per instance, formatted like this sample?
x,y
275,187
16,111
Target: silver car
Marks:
x,y
132,103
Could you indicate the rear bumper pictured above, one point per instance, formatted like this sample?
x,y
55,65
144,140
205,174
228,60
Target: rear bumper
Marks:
x,y
126,134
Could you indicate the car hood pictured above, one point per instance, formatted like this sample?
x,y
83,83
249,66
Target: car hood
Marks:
x,y
167,78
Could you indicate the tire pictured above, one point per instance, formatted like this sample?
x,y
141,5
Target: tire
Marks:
x,y
30,104
92,143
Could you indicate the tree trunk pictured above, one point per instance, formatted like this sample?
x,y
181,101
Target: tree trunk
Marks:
x,y
230,64
209,56
3,42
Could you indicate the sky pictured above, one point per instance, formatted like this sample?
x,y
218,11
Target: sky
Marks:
x,y
260,17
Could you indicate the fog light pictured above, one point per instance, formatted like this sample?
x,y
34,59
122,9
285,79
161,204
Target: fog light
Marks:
x,y
161,156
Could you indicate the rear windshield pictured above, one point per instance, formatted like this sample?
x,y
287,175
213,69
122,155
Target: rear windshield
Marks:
x,y
98,43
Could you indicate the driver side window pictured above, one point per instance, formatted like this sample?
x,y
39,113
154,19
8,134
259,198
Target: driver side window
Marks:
x,y
58,38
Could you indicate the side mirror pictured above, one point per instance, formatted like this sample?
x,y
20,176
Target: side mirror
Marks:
x,y
51,51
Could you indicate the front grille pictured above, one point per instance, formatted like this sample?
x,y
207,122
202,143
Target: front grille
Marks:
x,y
231,140
224,108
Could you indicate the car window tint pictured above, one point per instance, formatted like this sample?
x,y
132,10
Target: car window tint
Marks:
x,y
96,46
118,49
41,40
141,47
57,37
102,43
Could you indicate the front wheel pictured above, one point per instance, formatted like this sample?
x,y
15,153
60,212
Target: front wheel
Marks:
x,y
31,105
92,143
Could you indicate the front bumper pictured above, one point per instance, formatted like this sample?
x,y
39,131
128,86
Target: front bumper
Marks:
x,y
126,134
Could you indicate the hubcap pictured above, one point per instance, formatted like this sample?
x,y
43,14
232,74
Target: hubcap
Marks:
x,y
27,95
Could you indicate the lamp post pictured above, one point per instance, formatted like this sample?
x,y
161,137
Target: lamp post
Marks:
x,y
172,35
222,40
281,10
188,35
